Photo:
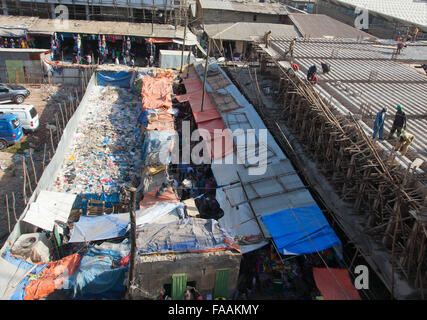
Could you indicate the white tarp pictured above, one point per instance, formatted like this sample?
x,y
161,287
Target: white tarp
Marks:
x,y
48,207
111,226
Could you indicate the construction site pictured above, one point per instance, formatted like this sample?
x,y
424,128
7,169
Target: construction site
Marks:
x,y
212,167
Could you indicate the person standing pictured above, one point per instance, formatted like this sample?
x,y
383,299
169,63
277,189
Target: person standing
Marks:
x,y
379,124
416,30
399,122
267,38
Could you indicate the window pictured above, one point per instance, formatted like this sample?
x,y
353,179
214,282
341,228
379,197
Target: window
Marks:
x,y
254,17
15,123
33,112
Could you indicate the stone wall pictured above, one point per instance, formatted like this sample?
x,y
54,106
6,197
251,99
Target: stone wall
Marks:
x,y
154,271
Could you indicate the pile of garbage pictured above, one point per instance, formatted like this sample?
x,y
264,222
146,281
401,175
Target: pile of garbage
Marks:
x,y
106,153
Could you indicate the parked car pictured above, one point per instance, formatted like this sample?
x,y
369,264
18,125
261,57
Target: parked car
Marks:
x,y
12,93
10,130
26,113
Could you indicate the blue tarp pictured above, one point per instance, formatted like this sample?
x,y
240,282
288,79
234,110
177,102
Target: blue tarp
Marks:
x,y
96,278
25,265
82,200
304,230
112,78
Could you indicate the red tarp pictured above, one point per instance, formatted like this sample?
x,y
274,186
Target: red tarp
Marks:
x,y
336,287
209,119
156,92
150,198
52,277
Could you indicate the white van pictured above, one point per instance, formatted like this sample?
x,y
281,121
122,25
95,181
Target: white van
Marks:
x,y
26,113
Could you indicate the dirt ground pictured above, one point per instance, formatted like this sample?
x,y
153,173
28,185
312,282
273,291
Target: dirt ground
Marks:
x,y
45,99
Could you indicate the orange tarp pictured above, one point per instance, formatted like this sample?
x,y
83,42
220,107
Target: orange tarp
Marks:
x,y
150,197
336,287
209,119
156,92
159,40
52,277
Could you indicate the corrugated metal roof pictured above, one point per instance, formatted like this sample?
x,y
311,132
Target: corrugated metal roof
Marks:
x,y
254,7
407,10
352,65
278,188
248,31
37,25
320,25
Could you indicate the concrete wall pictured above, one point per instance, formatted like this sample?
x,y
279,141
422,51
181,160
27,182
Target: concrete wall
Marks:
x,y
32,65
224,16
153,272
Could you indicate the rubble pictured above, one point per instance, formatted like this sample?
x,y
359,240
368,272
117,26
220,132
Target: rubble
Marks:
x,y
106,152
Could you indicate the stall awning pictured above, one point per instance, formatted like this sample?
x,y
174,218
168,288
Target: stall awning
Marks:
x,y
303,230
159,40
188,42
335,284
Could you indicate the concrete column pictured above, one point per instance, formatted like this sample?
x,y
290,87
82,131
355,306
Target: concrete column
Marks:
x,y
131,13
87,12
4,7
52,11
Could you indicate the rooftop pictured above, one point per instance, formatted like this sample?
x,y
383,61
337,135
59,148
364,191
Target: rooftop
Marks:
x,y
406,10
320,25
242,6
248,31
48,26
364,79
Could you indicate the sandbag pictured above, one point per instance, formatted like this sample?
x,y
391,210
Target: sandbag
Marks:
x,y
34,247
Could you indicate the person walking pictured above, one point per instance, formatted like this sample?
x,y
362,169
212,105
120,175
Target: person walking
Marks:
x,y
291,48
399,122
379,124
267,38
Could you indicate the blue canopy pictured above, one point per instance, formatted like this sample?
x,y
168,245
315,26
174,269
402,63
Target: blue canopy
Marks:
x,y
304,230
111,78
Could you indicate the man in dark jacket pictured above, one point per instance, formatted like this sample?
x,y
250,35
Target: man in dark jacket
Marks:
x,y
399,122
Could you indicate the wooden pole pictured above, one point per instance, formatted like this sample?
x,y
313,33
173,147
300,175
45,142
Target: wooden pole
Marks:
x,y
44,156
7,211
24,191
57,126
51,140
34,169
185,33
205,74
62,116
132,258
28,177
13,206
66,113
